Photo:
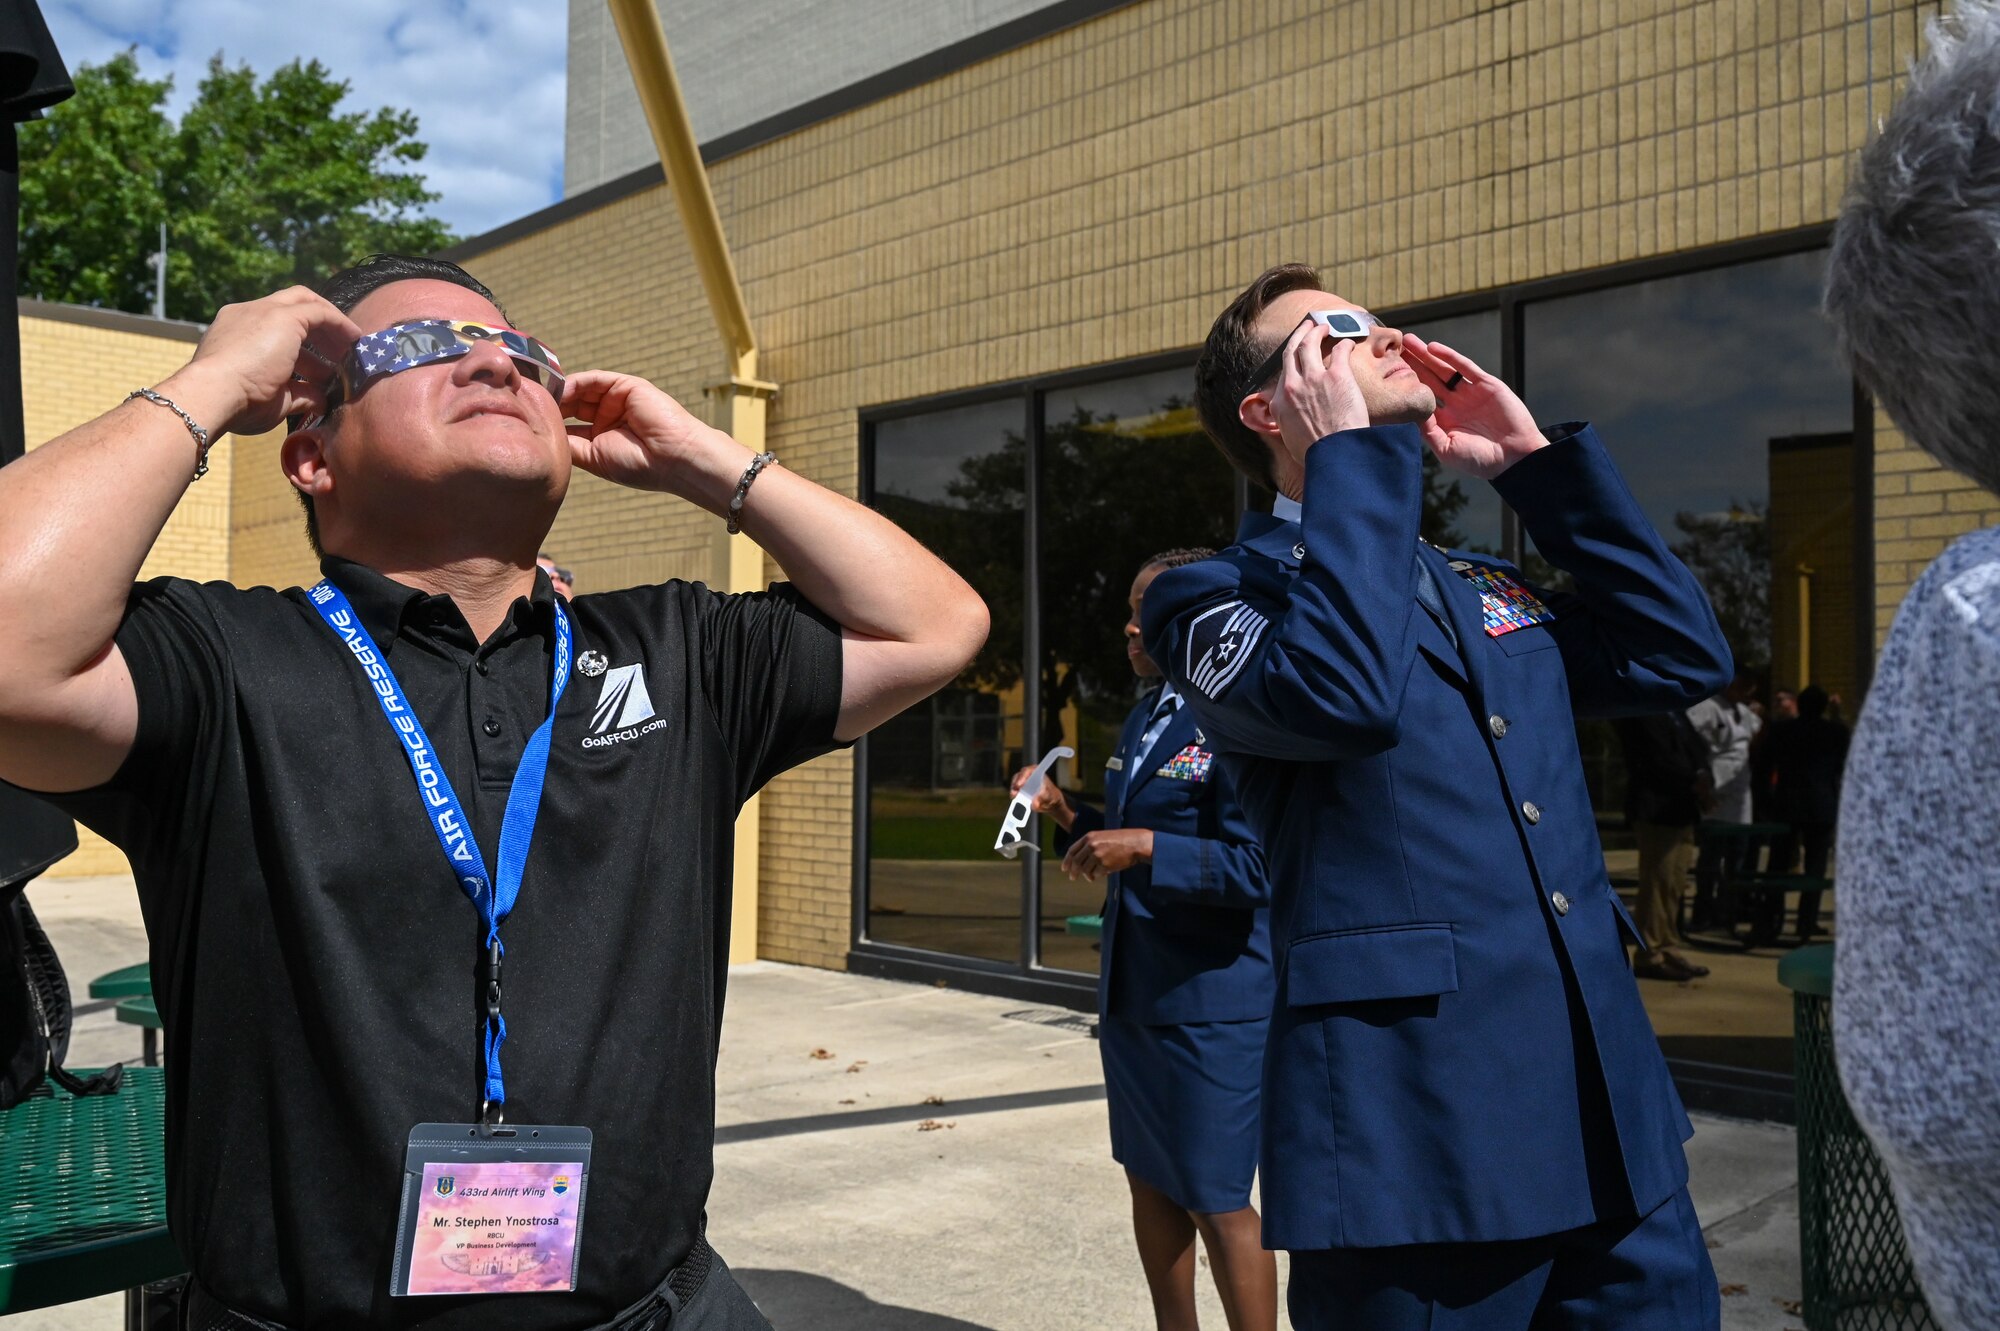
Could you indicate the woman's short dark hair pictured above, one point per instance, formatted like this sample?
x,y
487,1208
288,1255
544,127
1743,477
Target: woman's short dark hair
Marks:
x,y
1187,554
348,287
1230,356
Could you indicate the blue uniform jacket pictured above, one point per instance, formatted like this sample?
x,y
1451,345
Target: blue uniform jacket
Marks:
x,y
1458,1051
1188,937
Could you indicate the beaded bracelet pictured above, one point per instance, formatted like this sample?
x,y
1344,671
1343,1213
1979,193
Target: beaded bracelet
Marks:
x,y
757,464
201,436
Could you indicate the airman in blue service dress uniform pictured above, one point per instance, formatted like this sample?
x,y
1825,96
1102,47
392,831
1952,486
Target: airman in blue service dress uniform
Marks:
x,y
1467,1120
1184,993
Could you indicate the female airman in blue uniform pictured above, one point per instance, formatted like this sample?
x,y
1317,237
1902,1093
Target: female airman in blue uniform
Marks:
x,y
1184,993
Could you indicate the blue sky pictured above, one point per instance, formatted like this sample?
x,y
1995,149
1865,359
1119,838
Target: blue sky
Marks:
x,y
485,77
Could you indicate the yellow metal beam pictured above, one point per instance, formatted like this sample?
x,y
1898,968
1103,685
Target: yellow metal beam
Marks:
x,y
738,563
645,43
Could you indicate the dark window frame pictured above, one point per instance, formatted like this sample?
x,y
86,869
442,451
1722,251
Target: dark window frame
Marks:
x,y
1725,1089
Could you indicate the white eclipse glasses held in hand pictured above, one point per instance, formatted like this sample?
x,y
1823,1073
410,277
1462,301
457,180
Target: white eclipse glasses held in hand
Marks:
x,y
1010,841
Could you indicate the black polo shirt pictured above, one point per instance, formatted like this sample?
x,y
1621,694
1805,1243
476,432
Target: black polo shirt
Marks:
x,y
314,958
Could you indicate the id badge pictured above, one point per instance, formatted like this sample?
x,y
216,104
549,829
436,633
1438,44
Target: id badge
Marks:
x,y
490,1210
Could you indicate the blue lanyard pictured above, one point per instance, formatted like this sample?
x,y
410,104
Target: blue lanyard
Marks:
x,y
493,897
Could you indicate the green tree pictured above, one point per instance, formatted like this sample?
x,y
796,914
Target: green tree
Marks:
x,y
91,177
262,184
1729,554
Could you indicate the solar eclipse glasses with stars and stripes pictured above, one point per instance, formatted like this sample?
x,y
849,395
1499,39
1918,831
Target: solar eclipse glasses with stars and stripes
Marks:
x,y
428,341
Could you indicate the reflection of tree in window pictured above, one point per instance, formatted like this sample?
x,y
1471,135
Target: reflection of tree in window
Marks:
x,y
1444,499
1729,554
1113,493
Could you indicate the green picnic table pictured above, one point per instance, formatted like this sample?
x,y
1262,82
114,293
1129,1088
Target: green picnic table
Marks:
x,y
144,1013
85,1195
1084,926
134,981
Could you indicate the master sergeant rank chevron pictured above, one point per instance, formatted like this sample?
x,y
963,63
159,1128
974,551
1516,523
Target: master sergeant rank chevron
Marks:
x,y
1219,642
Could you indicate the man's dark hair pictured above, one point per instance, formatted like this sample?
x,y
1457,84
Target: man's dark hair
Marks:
x,y
1812,702
346,289
1191,554
1231,355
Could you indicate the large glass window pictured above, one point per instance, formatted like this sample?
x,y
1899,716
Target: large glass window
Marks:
x,y
1722,398
1719,394
1120,471
1126,473
957,481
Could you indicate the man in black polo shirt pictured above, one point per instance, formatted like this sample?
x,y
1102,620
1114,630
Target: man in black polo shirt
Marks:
x,y
293,776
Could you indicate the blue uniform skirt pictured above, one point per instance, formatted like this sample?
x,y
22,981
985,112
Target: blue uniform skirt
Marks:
x,y
1183,1103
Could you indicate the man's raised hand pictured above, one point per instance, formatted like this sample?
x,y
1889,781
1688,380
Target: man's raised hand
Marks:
x,y
1316,393
633,434
1480,426
256,364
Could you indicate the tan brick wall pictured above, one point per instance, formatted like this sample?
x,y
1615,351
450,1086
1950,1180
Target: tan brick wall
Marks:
x,y
1919,509
73,371
1097,195
267,540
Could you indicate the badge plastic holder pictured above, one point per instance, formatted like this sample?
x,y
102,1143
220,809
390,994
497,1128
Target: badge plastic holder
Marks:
x,y
491,1209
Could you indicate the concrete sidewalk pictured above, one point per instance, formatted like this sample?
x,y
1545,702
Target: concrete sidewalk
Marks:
x,y
892,1157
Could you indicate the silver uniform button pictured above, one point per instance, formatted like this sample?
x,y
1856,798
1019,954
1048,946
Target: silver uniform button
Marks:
x,y
1498,725
1299,553
1560,902
1531,811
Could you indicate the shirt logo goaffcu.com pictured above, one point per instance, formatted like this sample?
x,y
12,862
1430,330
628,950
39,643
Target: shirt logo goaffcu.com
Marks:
x,y
622,703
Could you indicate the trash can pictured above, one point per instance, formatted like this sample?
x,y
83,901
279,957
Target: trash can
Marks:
x,y
1855,1264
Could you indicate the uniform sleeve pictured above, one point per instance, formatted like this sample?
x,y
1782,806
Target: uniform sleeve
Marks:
x,y
1089,818
1223,866
1637,634
1313,670
771,669
160,797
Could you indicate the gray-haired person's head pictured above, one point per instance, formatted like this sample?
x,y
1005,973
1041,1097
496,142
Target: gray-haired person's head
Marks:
x,y
1913,280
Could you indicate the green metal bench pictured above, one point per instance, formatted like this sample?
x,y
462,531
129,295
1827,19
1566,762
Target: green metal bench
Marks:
x,y
145,1014
85,1185
1084,926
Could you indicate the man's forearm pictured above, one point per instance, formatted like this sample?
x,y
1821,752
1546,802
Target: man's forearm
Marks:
x,y
865,572
77,519
910,623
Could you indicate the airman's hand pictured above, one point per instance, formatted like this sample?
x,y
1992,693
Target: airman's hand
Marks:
x,y
1049,799
1480,426
1109,851
1316,394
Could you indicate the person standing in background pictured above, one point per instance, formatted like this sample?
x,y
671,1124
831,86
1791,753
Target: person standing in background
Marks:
x,y
1806,757
1184,991
1668,787
1730,723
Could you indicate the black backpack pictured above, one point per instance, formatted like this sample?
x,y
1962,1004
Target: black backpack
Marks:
x,y
34,993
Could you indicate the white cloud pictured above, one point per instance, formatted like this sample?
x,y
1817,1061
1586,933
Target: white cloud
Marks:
x,y
485,79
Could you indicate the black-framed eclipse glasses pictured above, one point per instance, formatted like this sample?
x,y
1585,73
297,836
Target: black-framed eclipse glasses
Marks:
x,y
1340,324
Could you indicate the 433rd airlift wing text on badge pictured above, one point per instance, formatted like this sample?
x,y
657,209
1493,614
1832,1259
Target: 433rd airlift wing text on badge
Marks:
x,y
1219,642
